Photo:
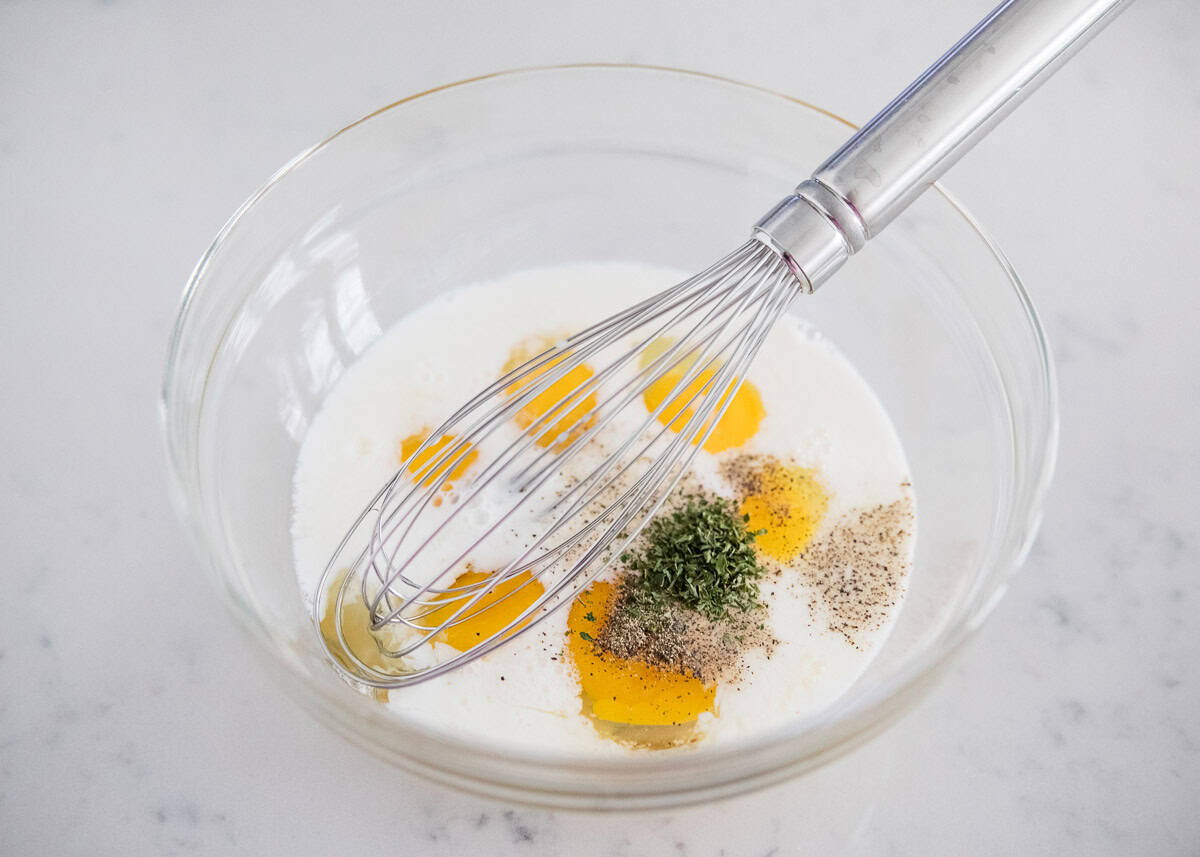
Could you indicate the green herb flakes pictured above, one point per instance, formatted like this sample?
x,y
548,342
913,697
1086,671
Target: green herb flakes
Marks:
x,y
700,555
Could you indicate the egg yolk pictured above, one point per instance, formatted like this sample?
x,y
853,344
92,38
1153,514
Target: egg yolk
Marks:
x,y
628,691
568,413
737,425
789,504
420,466
488,616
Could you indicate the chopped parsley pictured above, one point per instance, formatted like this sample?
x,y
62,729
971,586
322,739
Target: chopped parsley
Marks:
x,y
700,555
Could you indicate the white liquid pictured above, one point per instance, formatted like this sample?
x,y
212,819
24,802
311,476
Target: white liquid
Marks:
x,y
819,413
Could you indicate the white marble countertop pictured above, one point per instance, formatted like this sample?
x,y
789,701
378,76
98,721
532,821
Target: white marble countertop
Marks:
x,y
132,717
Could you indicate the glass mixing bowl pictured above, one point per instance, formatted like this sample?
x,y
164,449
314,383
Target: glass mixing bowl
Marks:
x,y
520,169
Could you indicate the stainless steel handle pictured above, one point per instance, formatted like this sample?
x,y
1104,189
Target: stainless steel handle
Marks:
x,y
909,144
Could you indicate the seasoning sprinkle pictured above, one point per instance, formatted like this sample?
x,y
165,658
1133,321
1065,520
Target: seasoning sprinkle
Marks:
x,y
685,641
701,555
859,569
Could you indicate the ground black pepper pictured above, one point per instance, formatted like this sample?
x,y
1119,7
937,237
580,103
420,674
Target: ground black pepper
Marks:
x,y
859,568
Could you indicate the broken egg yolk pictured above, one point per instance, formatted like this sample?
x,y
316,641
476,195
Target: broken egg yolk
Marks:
x,y
737,425
356,628
789,503
421,466
566,411
627,691
499,606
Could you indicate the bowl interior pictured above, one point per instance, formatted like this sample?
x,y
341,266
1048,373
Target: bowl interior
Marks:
x,y
551,166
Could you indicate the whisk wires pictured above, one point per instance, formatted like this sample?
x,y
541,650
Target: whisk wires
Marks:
x,y
703,333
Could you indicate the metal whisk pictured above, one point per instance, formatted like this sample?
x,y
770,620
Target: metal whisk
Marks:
x,y
591,468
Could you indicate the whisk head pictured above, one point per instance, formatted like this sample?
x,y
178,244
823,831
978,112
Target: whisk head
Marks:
x,y
571,459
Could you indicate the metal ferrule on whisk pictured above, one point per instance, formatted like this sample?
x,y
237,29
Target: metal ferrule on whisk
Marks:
x,y
813,233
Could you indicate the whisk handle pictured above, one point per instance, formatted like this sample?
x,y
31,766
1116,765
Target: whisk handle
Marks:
x,y
909,144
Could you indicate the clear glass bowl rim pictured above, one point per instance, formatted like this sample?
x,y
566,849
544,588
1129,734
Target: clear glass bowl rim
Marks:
x,y
328,702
